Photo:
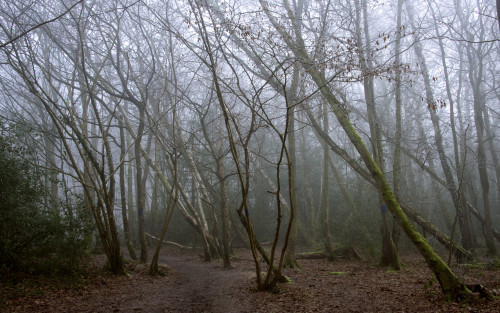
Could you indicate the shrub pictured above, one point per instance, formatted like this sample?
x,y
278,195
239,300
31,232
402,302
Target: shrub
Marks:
x,y
35,238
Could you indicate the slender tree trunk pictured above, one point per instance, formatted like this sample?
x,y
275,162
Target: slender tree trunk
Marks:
x,y
457,196
498,12
308,200
123,193
130,193
51,182
290,260
155,199
481,155
172,200
325,191
140,188
389,255
475,78
491,146
226,219
396,166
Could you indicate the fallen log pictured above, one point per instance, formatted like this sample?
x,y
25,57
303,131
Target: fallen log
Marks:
x,y
311,255
171,243
347,253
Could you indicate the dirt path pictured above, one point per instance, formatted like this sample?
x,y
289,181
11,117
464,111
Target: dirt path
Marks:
x,y
203,287
192,286
321,286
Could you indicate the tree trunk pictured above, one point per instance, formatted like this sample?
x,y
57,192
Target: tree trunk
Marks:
x,y
123,193
130,191
389,255
475,78
426,225
481,156
140,189
226,222
396,166
325,191
457,196
290,261
172,199
309,198
451,285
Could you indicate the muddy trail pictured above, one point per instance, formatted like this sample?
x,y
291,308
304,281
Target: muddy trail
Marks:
x,y
192,285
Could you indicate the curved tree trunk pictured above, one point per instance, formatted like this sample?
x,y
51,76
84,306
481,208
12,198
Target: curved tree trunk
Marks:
x,y
290,260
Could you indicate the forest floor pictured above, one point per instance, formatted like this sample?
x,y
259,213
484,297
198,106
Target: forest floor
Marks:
x,y
192,285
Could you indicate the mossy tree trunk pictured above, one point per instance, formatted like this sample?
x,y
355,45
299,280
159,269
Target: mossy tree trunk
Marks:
x,y
459,251
451,285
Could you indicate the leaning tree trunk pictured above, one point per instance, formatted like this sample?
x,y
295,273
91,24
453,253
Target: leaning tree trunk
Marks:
x,y
451,285
459,251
